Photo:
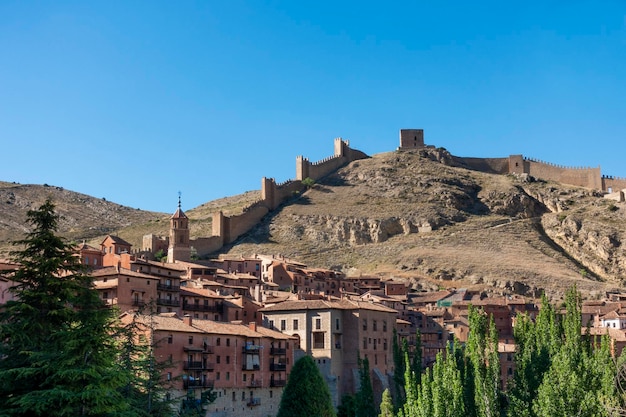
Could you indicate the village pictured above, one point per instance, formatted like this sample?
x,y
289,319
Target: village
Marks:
x,y
236,325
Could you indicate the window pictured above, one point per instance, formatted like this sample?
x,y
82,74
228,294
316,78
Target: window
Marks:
x,y
105,295
245,377
295,324
336,324
365,343
227,342
364,324
234,396
218,341
283,325
170,339
318,324
169,376
318,340
191,340
227,359
217,375
218,359
384,325
374,325
228,376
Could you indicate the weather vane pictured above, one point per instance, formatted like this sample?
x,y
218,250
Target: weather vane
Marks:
x,y
179,194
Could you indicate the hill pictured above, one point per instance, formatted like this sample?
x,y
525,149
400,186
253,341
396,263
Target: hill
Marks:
x,y
410,214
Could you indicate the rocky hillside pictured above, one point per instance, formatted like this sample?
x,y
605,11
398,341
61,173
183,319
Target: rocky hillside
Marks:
x,y
403,214
412,215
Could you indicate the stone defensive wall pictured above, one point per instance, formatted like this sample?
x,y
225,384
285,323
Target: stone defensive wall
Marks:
x,y
226,229
613,184
489,165
582,177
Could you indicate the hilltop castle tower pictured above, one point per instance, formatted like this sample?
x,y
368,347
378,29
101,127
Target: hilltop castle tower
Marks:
x,y
179,248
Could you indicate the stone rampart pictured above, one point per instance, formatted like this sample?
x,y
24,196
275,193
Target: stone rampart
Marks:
x,y
613,184
226,229
489,165
581,177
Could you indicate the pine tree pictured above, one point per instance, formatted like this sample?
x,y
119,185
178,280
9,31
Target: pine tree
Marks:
x,y
57,353
306,393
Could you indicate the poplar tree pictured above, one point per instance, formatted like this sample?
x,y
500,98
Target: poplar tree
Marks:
x,y
578,381
482,350
57,356
386,405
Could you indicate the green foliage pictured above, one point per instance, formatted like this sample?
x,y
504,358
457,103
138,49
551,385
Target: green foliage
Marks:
x,y
306,399
365,396
160,255
57,354
308,182
386,405
482,350
145,389
347,408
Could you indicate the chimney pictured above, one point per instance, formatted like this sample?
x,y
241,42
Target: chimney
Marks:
x,y
252,326
187,319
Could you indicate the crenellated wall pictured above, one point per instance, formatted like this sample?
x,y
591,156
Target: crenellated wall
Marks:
x,y
582,177
226,229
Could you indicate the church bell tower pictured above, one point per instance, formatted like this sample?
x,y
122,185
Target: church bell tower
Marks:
x,y
179,249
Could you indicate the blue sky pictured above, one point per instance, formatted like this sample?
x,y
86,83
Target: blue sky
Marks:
x,y
135,101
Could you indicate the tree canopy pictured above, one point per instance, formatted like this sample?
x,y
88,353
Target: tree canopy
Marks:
x,y
306,393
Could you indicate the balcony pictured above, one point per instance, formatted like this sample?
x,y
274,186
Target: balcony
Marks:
x,y
278,367
246,367
278,351
197,383
252,402
255,383
198,366
165,287
203,308
278,382
251,348
139,303
168,302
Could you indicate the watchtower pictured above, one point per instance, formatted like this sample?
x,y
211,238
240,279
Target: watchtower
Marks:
x,y
411,138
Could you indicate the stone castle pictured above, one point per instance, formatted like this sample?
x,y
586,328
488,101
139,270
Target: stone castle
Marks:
x,y
226,229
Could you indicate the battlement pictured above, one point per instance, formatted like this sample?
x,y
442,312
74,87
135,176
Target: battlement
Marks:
x,y
556,165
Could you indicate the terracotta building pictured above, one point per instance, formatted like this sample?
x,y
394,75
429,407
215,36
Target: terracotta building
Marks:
x,y
334,334
246,367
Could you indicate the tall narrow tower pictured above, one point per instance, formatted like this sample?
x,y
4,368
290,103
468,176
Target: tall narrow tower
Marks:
x,y
179,249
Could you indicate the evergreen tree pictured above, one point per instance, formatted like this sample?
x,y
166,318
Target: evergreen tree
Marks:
x,y
347,408
145,389
399,368
365,396
57,356
416,362
306,393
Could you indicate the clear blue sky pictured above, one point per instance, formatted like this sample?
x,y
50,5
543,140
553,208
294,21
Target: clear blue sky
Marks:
x,y
135,101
